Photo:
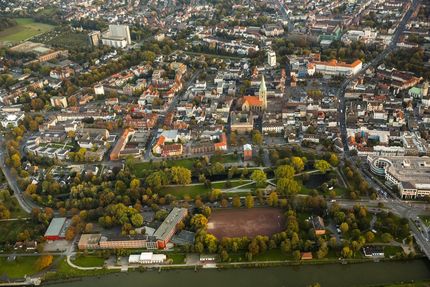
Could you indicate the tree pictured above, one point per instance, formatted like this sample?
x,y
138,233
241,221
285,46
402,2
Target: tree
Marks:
x,y
346,252
15,160
257,138
333,160
297,163
4,212
88,228
386,237
249,201
322,165
344,227
199,221
284,171
44,261
236,201
70,233
369,236
136,220
180,175
272,199
134,183
259,177
288,186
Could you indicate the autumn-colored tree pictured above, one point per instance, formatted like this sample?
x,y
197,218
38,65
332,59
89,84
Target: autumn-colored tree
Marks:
x,y
70,233
249,201
43,262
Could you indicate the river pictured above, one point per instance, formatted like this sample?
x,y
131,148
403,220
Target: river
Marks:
x,y
329,275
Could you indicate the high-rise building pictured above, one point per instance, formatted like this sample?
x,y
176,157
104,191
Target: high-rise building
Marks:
x,y
271,58
117,36
94,38
262,93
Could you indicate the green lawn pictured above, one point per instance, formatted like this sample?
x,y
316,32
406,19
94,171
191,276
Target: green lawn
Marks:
x,y
182,191
178,258
224,158
392,250
19,268
64,271
199,189
89,261
25,29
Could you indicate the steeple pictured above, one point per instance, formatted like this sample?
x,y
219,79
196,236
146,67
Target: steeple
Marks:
x,y
262,93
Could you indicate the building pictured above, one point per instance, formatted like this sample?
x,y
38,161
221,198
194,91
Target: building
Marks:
x,y
169,226
97,241
253,103
333,67
241,122
94,38
271,58
11,120
59,102
408,173
121,143
318,225
117,36
373,251
57,229
247,152
147,258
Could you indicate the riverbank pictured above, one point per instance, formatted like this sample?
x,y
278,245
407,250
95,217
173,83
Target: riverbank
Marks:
x,y
65,271
384,273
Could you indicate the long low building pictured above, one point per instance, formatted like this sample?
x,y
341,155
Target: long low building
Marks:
x,y
410,174
333,67
159,240
147,258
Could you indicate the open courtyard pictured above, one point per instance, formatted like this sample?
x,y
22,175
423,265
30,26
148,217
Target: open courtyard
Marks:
x,y
245,222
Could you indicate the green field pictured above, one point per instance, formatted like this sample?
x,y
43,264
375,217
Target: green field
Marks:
x,y
89,261
25,29
19,268
199,189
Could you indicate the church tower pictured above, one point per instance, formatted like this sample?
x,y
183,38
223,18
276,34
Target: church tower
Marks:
x,y
262,93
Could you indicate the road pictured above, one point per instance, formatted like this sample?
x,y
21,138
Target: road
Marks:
x,y
162,116
26,204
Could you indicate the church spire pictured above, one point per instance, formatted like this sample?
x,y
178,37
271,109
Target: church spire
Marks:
x,y
262,93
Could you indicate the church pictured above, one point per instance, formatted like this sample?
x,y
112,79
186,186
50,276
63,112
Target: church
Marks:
x,y
254,103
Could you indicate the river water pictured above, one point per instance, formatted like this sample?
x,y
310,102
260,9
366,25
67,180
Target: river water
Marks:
x,y
330,275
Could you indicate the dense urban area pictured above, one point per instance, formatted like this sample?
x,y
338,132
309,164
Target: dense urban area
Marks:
x,y
143,135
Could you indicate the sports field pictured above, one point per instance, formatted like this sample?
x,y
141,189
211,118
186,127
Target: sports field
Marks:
x,y
25,29
245,222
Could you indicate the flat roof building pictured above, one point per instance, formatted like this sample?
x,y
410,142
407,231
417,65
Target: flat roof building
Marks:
x,y
57,229
169,226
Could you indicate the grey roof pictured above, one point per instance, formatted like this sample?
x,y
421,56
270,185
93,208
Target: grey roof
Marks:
x,y
55,227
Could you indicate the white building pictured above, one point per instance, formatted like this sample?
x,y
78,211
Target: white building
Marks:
x,y
11,120
147,258
271,58
117,36
333,67
99,90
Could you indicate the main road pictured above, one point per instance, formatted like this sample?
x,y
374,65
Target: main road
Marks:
x,y
26,204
